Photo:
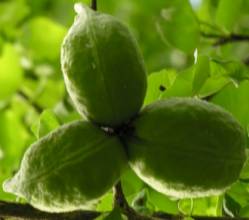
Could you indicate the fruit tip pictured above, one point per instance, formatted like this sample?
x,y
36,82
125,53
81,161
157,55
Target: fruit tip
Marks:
x,y
10,185
78,7
7,185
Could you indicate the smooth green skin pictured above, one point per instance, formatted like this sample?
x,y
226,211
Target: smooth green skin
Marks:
x,y
187,148
69,169
103,69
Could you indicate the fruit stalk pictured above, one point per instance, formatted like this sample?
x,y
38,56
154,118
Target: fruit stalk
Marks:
x,y
94,5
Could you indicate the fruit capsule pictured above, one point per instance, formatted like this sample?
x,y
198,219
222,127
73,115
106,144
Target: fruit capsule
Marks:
x,y
69,169
186,147
103,68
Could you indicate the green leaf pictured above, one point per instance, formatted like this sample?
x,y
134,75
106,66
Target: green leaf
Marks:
x,y
63,171
158,83
178,23
236,70
50,93
12,12
131,184
13,139
213,85
228,12
46,92
182,86
162,202
244,175
46,123
201,72
244,212
239,193
140,203
12,132
230,206
42,37
115,214
213,82
1,45
106,203
66,114
11,73
219,78
207,206
235,100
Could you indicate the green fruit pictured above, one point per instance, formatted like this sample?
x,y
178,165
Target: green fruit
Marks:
x,y
103,69
186,147
69,169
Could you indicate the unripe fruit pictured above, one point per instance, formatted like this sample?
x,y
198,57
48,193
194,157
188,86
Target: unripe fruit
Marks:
x,y
69,169
103,69
186,147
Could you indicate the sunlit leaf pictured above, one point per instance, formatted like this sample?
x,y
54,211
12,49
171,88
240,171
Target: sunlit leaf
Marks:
x,y
202,72
213,85
11,73
50,94
66,114
43,37
13,138
115,214
182,86
46,93
208,206
46,123
158,83
106,203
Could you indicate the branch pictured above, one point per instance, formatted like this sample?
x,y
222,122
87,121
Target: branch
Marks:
x,y
94,5
27,212
225,39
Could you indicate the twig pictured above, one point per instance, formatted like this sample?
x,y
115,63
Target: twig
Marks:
x,y
37,107
94,5
225,39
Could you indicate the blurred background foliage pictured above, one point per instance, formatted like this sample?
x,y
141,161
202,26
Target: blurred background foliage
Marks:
x,y
191,48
